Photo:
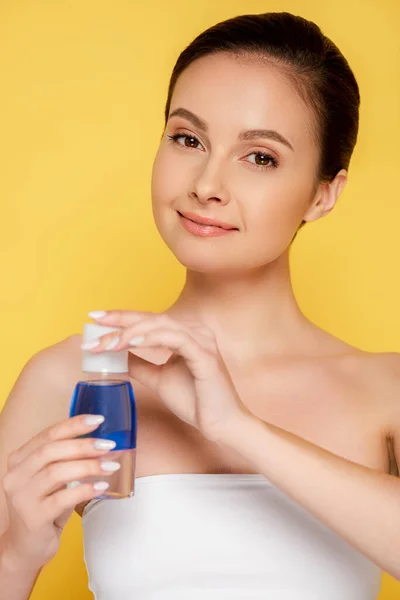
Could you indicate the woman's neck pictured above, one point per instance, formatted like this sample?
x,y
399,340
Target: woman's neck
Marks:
x,y
251,314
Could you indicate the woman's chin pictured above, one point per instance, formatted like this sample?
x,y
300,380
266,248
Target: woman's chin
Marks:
x,y
204,261
213,255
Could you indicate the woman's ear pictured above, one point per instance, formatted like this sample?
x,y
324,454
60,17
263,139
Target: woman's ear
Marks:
x,y
326,196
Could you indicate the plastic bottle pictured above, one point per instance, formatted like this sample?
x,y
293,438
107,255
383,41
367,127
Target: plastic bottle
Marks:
x,y
105,390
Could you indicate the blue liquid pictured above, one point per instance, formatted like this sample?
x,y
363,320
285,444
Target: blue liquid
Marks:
x,y
115,400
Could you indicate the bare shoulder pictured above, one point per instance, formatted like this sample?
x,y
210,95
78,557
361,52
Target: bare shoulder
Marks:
x,y
373,375
59,361
41,394
382,371
383,367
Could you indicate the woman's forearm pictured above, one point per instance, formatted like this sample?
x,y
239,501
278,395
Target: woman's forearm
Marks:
x,y
360,504
16,581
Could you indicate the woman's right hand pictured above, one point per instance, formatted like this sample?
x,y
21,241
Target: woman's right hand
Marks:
x,y
38,501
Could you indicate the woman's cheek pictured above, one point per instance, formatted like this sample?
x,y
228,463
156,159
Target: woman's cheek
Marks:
x,y
161,182
277,219
170,178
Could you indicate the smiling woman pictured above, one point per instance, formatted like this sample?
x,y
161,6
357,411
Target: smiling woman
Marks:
x,y
261,122
262,461
260,106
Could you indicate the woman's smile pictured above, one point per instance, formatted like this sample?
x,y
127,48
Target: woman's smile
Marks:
x,y
203,230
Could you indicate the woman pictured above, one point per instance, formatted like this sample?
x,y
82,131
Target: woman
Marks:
x,y
266,446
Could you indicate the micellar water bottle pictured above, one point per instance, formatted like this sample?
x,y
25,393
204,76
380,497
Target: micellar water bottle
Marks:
x,y
105,390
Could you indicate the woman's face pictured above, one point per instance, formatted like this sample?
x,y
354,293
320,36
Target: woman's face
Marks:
x,y
221,165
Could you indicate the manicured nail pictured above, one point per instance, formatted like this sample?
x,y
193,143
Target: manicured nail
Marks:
x,y
104,444
110,465
97,314
90,345
112,344
136,340
94,419
73,484
101,485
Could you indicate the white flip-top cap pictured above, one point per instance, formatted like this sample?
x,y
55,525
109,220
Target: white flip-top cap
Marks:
x,y
106,362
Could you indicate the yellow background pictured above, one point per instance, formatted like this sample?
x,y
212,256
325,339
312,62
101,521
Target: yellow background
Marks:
x,y
81,111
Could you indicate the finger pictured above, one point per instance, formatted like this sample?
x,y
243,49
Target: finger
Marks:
x,y
146,326
144,371
63,450
59,506
109,341
121,318
69,428
58,475
127,318
125,338
203,337
200,361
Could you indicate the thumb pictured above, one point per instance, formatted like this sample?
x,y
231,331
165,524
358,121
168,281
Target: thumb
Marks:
x,y
61,521
144,371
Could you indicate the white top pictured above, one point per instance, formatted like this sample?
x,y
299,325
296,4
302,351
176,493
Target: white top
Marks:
x,y
218,537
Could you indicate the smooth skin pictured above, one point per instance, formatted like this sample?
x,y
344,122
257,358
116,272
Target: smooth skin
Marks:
x,y
285,369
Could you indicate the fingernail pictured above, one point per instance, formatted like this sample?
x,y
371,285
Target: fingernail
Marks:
x,y
112,344
110,465
90,345
73,484
97,314
101,485
136,340
104,444
94,419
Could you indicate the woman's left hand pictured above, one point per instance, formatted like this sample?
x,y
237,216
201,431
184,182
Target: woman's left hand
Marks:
x,y
194,383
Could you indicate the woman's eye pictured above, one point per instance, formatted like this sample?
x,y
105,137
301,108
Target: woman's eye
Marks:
x,y
188,140
263,160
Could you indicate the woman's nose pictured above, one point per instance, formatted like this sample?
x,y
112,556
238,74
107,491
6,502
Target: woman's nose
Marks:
x,y
208,186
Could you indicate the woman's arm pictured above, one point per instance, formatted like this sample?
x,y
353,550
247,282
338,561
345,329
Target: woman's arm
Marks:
x,y
360,504
16,582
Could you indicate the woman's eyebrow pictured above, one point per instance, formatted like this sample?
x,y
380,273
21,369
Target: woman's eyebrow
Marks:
x,y
244,135
265,133
187,114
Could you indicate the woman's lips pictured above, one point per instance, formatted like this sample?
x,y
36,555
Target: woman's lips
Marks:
x,y
203,230
200,220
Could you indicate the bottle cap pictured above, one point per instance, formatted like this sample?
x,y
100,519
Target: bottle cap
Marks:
x,y
106,362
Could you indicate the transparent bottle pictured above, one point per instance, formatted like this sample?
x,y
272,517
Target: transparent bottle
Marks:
x,y
105,390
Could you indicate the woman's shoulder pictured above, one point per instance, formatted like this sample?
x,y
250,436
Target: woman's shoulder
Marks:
x,y
382,367
382,371
377,372
375,375
41,394
59,364
329,348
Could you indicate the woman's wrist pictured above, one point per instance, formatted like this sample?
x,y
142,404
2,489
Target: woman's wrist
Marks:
x,y
17,576
11,560
229,432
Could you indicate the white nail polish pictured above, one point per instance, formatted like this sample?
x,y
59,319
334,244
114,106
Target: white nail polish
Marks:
x,y
112,344
97,314
73,484
101,485
94,419
136,340
104,444
90,345
109,465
